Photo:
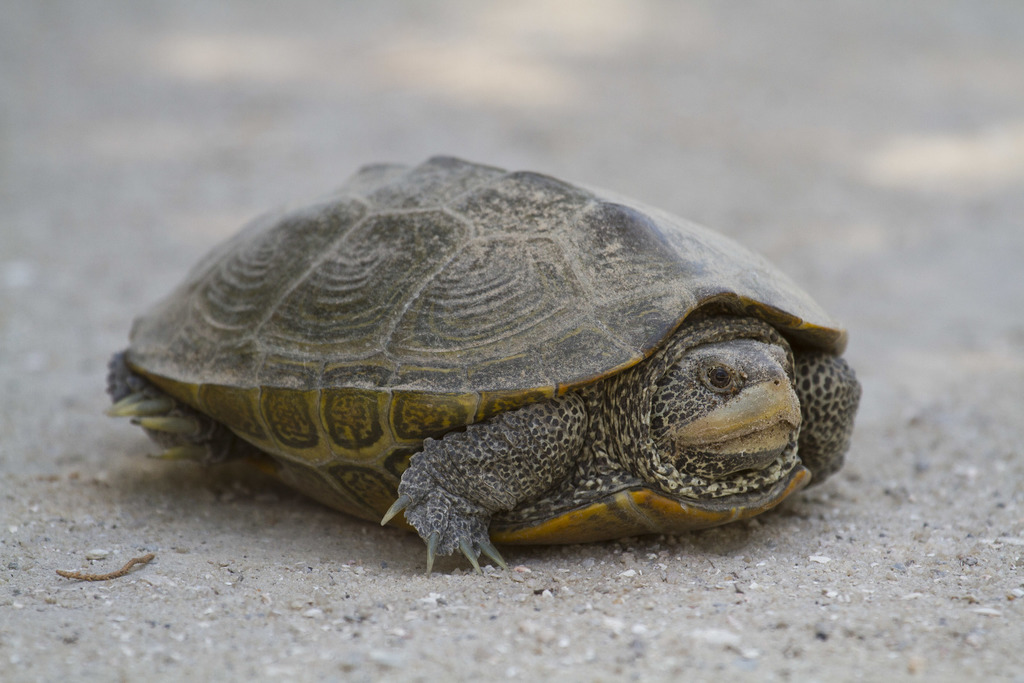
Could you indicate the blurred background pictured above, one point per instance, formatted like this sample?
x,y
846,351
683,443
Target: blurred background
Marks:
x,y
873,150
854,143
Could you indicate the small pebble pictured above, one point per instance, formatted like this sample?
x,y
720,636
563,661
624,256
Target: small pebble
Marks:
x,y
717,636
433,600
97,554
614,625
387,659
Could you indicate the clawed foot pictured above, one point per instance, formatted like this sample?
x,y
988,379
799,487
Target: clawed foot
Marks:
x,y
166,422
183,433
446,522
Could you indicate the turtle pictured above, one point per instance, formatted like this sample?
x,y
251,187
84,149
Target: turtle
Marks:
x,y
491,357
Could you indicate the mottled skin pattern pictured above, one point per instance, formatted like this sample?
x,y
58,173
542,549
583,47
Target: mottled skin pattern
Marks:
x,y
671,389
557,363
457,483
618,434
829,395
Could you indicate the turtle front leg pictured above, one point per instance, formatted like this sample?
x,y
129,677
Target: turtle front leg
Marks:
x,y
829,394
457,483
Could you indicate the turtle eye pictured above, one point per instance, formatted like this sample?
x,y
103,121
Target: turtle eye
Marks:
x,y
719,378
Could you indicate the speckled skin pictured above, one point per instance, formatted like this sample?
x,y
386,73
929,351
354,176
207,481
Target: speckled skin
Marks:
x,y
536,461
436,309
457,483
618,434
829,395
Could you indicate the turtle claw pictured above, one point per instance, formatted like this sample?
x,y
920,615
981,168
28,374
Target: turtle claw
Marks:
x,y
121,407
185,426
190,452
183,432
396,507
141,405
467,549
447,522
488,549
432,542
150,407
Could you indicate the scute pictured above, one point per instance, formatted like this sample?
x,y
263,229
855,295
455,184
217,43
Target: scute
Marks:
x,y
418,300
434,183
523,203
489,303
415,415
346,306
353,419
356,281
290,414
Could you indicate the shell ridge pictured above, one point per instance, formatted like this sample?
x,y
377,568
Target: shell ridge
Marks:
x,y
413,301
215,268
482,185
407,303
574,264
285,292
472,231
587,284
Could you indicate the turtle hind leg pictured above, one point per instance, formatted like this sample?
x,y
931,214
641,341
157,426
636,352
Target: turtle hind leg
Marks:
x,y
121,381
829,394
183,432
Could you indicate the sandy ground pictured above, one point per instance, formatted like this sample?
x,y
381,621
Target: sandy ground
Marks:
x,y
873,150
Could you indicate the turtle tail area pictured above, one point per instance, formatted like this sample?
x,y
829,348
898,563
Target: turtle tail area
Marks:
x,y
121,381
181,431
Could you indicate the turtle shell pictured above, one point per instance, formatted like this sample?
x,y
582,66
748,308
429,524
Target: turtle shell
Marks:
x,y
413,301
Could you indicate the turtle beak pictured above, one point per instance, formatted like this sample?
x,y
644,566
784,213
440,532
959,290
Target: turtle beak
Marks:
x,y
749,431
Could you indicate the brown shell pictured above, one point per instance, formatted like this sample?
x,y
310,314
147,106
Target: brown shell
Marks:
x,y
338,336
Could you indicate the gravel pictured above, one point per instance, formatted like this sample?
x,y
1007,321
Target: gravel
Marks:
x,y
874,151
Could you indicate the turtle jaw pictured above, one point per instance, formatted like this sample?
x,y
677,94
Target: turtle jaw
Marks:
x,y
748,432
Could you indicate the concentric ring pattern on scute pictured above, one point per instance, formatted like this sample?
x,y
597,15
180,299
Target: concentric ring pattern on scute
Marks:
x,y
415,301
453,267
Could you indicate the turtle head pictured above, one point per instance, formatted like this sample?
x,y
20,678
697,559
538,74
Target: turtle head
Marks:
x,y
726,405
